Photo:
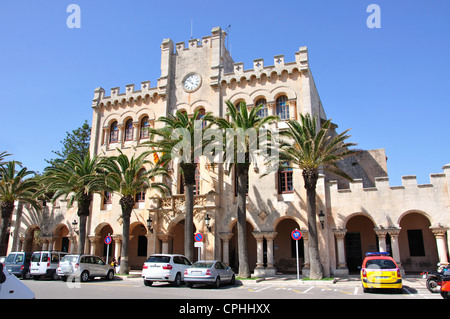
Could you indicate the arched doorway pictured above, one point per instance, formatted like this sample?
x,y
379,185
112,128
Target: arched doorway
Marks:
x,y
251,248
418,250
284,247
101,248
359,239
137,253
33,240
176,241
61,239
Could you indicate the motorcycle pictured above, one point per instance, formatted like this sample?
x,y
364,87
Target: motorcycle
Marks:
x,y
433,278
445,287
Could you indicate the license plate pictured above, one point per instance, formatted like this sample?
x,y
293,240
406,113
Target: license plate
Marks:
x,y
154,266
382,277
196,272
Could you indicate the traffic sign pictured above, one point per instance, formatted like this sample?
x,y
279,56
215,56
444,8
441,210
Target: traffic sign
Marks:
x,y
108,240
198,237
296,234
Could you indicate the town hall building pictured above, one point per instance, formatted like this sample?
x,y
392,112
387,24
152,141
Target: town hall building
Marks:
x,y
410,221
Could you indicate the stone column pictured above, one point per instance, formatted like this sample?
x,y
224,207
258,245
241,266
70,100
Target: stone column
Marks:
x,y
226,247
341,263
394,232
439,234
381,234
305,234
259,252
117,246
165,242
270,269
92,240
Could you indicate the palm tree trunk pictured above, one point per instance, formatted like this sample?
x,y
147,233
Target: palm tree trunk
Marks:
x,y
242,171
84,206
127,203
7,210
189,181
310,177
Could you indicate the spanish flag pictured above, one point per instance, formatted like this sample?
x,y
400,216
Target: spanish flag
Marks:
x,y
155,157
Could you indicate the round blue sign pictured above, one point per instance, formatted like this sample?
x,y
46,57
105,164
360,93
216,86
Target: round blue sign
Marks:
x,y
198,237
296,234
108,240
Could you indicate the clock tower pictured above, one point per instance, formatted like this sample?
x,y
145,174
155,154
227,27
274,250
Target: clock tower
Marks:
x,y
191,74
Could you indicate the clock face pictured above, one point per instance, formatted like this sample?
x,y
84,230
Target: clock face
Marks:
x,y
191,82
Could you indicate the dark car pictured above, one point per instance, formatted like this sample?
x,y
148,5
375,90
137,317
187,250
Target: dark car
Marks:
x,y
18,263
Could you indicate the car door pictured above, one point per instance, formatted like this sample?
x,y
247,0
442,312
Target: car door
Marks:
x,y
45,259
99,265
224,271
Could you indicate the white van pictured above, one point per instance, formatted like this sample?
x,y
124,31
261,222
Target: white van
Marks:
x,y
11,287
44,264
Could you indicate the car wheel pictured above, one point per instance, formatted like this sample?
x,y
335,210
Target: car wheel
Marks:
x,y
110,275
177,281
26,275
148,283
217,282
84,276
55,276
233,280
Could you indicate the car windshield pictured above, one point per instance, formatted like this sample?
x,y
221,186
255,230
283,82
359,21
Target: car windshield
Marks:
x,y
72,259
202,264
158,259
36,257
380,264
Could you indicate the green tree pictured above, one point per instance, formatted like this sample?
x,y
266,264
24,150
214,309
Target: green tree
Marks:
x,y
177,138
127,177
76,142
76,179
244,122
312,148
15,185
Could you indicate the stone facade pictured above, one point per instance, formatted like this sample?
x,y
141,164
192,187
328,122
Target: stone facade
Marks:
x,y
365,215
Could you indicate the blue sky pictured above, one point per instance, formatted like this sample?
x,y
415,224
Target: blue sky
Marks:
x,y
389,85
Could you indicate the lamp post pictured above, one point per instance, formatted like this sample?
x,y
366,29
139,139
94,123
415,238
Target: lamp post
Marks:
x,y
150,224
322,218
208,222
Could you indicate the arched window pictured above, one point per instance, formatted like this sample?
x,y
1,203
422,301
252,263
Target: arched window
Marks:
x,y
140,196
282,108
129,130
201,114
145,124
114,133
285,182
262,111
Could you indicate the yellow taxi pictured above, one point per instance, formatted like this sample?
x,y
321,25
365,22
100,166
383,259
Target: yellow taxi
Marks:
x,y
379,270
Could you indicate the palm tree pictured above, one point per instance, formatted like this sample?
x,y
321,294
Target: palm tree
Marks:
x,y
166,141
77,179
14,186
128,177
242,121
311,149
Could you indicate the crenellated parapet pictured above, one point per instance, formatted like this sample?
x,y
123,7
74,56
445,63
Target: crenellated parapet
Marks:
x,y
409,182
260,70
129,95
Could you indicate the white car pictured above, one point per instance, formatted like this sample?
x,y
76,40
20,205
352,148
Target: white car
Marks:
x,y
165,267
211,272
84,267
44,264
11,287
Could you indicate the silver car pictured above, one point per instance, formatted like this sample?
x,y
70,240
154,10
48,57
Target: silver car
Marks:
x,y
212,272
84,267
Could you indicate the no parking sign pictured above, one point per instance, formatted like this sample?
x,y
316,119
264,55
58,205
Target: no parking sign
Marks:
x,y
296,235
108,240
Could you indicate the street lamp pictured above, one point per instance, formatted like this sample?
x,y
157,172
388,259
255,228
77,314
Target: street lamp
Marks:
x,y
75,227
322,218
208,222
150,224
